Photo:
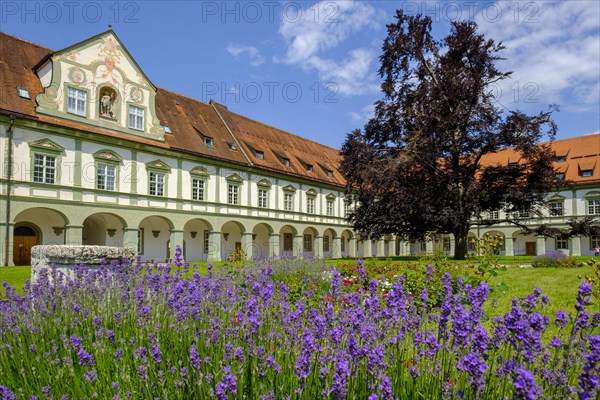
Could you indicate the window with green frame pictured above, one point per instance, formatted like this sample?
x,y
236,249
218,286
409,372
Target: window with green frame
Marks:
x,y
45,161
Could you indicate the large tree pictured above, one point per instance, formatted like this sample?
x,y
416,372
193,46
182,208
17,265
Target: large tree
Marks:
x,y
419,165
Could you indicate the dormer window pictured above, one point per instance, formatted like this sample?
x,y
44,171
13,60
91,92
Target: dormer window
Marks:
x,y
23,93
231,146
560,175
76,100
209,142
136,118
167,129
285,162
260,155
329,173
309,167
561,158
586,173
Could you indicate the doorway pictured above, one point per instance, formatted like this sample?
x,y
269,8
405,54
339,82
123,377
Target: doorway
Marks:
x,y
25,238
530,248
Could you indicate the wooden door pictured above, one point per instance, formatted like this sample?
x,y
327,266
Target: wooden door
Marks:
x,y
22,249
530,248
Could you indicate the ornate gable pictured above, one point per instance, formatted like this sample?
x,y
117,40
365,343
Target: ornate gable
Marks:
x,y
97,82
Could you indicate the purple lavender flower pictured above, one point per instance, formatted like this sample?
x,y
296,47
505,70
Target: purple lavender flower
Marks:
x,y
476,367
525,386
584,294
91,376
6,394
589,380
195,360
85,358
340,378
156,353
386,389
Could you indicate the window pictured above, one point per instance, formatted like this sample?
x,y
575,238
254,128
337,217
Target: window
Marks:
x,y
136,118
556,208
325,243
262,198
44,168
494,214
105,176
562,243
140,246
523,212
560,175
233,192
561,158
157,184
286,162
24,93
198,189
310,205
231,146
343,244
593,206
594,242
209,142
309,167
76,101
586,173
307,243
446,244
259,155
205,244
347,209
329,172
330,208
288,201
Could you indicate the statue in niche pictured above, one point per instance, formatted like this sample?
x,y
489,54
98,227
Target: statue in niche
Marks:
x,y
107,99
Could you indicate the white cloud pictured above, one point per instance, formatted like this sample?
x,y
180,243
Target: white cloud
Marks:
x,y
552,47
362,116
255,57
321,29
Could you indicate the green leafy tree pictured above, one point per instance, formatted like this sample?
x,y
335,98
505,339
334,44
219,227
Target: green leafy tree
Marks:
x,y
418,166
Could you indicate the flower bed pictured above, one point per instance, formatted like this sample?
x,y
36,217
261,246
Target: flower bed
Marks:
x,y
555,259
124,332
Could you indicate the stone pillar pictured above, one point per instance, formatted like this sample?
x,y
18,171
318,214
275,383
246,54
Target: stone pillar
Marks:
x,y
298,248
74,234
508,246
7,259
336,250
392,247
214,246
352,247
576,246
130,238
274,245
428,246
176,239
318,247
540,246
380,248
367,250
247,244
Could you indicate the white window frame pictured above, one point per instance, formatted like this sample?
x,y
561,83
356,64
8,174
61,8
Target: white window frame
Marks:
x,y
561,243
135,117
157,183
593,206
76,101
330,207
43,170
106,176
310,205
307,243
263,198
288,202
556,208
233,194
198,189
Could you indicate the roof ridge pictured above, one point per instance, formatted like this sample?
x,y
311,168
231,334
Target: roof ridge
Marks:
x,y
183,95
26,41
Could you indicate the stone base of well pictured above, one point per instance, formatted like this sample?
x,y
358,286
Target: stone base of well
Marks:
x,y
65,257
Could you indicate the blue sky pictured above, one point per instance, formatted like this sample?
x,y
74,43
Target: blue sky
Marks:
x,y
311,68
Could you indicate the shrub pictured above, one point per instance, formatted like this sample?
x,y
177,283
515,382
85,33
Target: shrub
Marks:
x,y
554,259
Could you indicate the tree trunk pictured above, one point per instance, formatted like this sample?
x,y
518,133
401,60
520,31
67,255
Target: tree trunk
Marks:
x,y
461,241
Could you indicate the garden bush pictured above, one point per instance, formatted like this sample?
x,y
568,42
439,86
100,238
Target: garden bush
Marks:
x,y
555,259
136,332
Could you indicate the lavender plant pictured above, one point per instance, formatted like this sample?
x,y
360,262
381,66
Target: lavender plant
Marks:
x,y
133,331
